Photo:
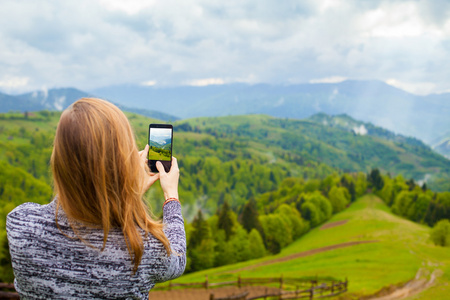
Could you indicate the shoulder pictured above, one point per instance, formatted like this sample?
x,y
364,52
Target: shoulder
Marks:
x,y
28,213
28,209
24,209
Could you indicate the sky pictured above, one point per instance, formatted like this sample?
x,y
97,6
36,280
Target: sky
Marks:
x,y
89,44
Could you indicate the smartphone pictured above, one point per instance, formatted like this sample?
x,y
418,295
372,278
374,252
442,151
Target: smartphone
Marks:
x,y
160,138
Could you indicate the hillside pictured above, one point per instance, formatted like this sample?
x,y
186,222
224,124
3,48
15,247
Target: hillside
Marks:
x,y
394,252
239,156
442,144
299,140
357,127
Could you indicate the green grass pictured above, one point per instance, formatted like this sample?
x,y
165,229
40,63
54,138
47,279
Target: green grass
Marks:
x,y
158,156
402,249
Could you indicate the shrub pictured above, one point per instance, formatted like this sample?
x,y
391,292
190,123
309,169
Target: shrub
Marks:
x,y
440,234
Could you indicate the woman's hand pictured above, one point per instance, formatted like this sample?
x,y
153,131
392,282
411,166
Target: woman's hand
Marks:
x,y
169,181
150,178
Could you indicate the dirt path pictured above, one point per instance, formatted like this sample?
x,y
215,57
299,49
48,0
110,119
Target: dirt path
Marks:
x,y
303,254
412,287
333,224
203,294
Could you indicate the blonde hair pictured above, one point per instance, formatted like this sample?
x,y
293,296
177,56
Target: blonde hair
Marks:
x,y
99,176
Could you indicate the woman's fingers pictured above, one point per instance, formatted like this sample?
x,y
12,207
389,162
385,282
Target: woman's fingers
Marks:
x,y
169,181
160,167
144,153
152,178
174,165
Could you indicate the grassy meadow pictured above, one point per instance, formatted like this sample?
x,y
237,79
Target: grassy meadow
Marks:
x,y
158,155
400,249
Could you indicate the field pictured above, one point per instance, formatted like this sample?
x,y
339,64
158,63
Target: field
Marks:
x,y
154,155
387,251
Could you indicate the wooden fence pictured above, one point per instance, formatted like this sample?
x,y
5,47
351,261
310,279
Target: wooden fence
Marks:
x,y
296,288
10,292
304,289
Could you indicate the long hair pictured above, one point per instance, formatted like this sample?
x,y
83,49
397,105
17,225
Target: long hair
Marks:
x,y
98,174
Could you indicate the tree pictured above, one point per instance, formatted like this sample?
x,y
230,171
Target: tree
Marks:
x,y
360,184
256,246
402,203
277,231
249,216
240,245
201,245
200,230
310,213
294,219
352,191
440,234
337,198
225,220
317,209
375,180
202,256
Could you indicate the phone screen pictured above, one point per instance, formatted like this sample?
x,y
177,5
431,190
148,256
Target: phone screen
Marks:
x,y
160,142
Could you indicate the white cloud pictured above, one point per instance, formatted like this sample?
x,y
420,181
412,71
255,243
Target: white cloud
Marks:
x,y
418,88
131,7
361,130
204,82
12,82
203,42
149,83
332,79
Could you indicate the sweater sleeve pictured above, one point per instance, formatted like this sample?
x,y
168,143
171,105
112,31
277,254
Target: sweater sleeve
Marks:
x,y
174,230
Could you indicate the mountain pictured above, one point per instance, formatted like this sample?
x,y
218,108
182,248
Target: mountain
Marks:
x,y
336,146
12,103
442,145
424,117
347,123
54,99
60,99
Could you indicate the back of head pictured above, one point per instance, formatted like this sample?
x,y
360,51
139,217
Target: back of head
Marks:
x,y
98,174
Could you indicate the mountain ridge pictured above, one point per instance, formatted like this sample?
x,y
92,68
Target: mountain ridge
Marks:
x,y
59,99
370,101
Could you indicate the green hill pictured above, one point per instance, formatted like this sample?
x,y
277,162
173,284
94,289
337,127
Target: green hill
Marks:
x,y
397,251
234,158
297,141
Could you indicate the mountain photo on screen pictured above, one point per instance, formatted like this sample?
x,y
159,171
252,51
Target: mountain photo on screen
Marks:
x,y
160,144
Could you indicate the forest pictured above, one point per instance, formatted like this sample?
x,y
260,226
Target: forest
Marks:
x,y
250,185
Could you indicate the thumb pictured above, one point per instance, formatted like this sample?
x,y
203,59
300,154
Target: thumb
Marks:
x,y
160,167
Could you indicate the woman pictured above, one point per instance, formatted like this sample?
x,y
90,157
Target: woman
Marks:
x,y
96,239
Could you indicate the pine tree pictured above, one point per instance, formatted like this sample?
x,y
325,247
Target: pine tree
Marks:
x,y
375,180
249,217
225,222
200,230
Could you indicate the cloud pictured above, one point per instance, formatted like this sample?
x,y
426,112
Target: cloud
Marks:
x,y
204,82
88,44
12,83
149,83
361,130
332,79
418,88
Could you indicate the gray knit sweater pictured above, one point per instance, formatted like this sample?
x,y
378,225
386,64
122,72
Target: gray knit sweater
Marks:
x,y
48,264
